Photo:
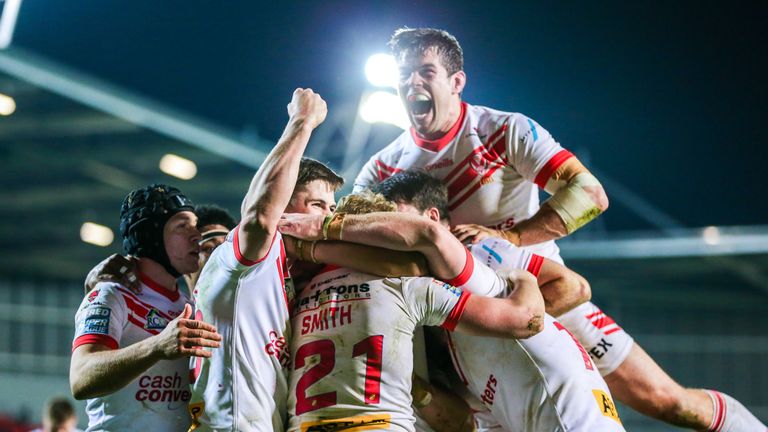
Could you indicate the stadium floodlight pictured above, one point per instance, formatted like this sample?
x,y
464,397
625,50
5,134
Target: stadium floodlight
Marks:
x,y
178,166
381,70
96,234
7,105
384,107
711,235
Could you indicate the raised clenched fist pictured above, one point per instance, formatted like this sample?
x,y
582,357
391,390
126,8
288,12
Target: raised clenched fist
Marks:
x,y
307,107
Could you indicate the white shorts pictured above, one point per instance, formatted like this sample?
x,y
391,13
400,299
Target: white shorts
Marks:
x,y
607,344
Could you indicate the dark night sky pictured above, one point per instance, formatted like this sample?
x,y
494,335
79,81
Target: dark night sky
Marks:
x,y
666,99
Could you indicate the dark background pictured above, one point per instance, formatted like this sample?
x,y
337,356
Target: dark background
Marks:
x,y
667,98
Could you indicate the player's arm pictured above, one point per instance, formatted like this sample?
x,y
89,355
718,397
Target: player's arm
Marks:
x,y
367,259
577,198
115,268
562,288
367,176
441,408
97,369
272,186
445,255
520,315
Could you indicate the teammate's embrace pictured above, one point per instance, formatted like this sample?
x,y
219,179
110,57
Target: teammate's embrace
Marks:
x,y
352,339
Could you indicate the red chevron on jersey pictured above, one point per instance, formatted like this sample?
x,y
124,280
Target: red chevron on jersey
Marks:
x,y
484,161
385,171
603,322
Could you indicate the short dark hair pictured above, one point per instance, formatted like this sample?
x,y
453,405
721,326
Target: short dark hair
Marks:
x,y
416,188
407,41
311,170
58,410
210,214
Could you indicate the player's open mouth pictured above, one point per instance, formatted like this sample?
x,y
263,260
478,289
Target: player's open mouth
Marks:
x,y
419,104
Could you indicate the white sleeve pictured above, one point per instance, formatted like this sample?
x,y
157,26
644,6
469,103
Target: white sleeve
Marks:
x,y
498,253
101,318
479,279
532,150
368,176
433,302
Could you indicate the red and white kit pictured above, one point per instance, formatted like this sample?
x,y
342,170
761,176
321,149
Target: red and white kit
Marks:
x,y
114,316
243,386
491,161
544,383
605,341
353,351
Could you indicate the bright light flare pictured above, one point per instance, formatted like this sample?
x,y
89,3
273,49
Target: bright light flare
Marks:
x,y
7,105
381,70
178,166
96,234
384,107
711,235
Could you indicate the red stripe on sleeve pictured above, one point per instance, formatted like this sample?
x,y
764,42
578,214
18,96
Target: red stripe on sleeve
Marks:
x,y
551,166
466,273
95,339
243,260
534,265
456,312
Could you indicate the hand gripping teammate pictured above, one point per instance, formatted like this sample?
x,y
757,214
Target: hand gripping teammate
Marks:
x,y
491,162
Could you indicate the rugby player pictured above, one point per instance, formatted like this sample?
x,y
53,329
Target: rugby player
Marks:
x,y
243,292
491,162
129,356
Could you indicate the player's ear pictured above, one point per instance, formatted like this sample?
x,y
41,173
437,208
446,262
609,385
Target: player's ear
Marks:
x,y
434,214
458,81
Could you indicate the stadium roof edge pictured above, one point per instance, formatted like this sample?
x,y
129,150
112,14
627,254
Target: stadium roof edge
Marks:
x,y
131,107
711,241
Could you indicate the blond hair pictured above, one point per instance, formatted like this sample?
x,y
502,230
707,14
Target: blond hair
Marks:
x,y
365,202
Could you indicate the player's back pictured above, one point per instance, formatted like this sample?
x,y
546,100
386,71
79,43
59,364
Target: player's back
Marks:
x,y
352,348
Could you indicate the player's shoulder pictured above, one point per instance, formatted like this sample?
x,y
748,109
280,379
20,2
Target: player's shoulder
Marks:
x,y
485,118
394,148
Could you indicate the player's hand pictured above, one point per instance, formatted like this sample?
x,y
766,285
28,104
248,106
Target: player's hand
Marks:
x,y
307,107
471,233
301,226
185,337
116,268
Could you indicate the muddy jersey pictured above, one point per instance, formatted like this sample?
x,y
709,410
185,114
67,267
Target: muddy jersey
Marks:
x,y
352,348
544,383
243,386
114,316
491,161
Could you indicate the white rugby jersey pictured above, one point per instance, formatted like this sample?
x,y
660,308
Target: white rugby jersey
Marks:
x,y
544,383
491,161
243,386
114,316
352,348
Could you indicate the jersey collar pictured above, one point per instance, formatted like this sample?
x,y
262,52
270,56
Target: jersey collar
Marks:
x,y
154,286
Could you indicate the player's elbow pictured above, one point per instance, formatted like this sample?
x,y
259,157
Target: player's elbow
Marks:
x,y
600,198
77,384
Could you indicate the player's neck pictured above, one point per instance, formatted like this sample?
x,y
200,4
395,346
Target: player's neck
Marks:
x,y
157,273
454,115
